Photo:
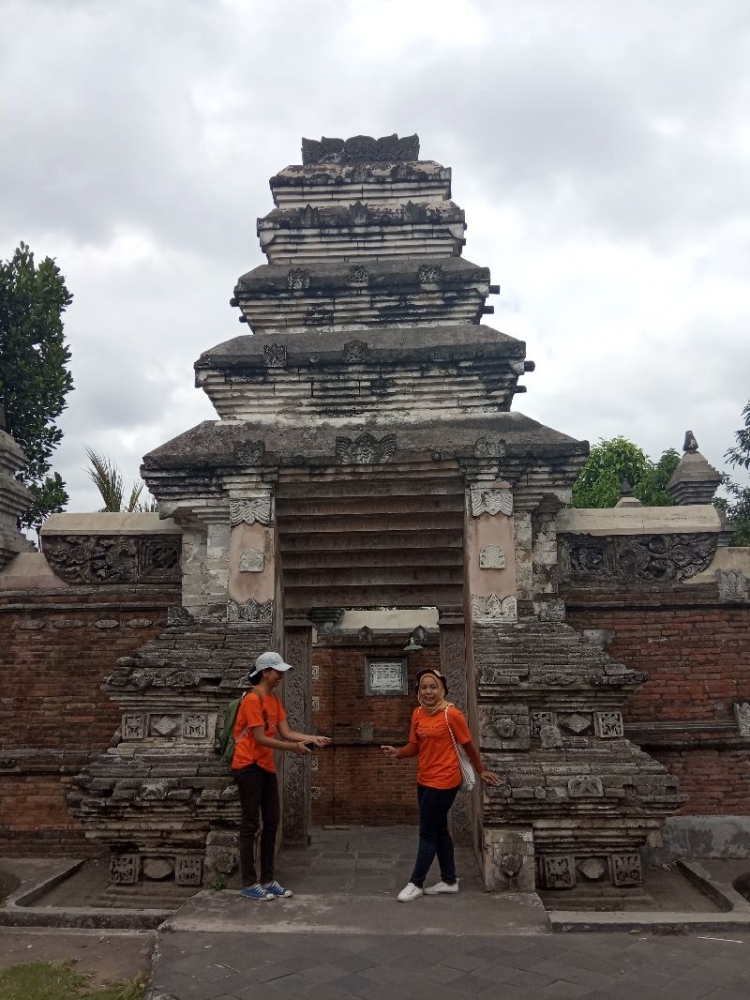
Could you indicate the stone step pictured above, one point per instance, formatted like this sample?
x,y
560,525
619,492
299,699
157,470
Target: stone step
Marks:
x,y
427,557
345,541
374,524
362,506
356,575
363,596
371,488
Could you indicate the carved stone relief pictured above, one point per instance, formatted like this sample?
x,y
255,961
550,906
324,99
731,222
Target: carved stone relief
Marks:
x,y
489,447
358,275
195,727
559,871
188,870
504,727
298,703
252,561
625,869
298,279
429,273
365,450
124,869
742,716
492,557
575,723
732,586
355,351
494,609
642,558
104,559
133,727
251,452
166,725
250,611
609,725
552,611
274,355
491,501
361,149
585,786
250,510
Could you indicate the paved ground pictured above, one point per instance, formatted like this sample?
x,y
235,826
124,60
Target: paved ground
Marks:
x,y
616,966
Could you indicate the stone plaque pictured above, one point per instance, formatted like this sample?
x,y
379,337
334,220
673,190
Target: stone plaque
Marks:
x,y
626,869
386,677
252,561
609,725
187,870
742,717
124,868
559,871
195,727
133,727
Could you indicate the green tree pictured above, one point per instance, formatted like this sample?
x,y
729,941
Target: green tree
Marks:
x,y
611,461
107,478
34,375
737,506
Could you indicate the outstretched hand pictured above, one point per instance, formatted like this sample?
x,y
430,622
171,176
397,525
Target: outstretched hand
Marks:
x,y
318,741
391,752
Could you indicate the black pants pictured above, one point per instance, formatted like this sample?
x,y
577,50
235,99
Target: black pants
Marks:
x,y
434,806
259,801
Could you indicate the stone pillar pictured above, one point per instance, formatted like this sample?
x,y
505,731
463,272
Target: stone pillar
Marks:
x,y
296,823
546,604
252,564
14,498
453,663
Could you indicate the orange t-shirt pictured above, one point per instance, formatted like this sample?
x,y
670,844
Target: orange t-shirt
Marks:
x,y
256,710
438,763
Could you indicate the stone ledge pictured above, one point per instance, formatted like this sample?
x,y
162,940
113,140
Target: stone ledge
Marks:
x,y
105,523
639,520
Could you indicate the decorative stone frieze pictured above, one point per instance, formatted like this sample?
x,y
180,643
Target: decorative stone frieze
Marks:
x,y
628,559
492,501
188,870
133,727
358,275
298,279
552,611
585,786
274,355
609,725
114,559
626,869
559,871
124,869
361,149
250,510
494,609
355,351
365,450
250,611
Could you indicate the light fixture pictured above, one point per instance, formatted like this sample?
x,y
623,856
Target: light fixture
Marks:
x,y
412,646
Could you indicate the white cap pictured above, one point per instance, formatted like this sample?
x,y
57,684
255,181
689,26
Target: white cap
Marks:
x,y
268,661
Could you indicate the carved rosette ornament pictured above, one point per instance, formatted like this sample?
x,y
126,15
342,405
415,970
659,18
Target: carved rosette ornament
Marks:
x,y
365,450
491,502
250,510
358,275
492,557
429,274
355,351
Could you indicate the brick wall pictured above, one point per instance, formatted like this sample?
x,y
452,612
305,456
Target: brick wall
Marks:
x,y
697,655
55,651
354,782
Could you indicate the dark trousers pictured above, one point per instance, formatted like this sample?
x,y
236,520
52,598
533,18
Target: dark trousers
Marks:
x,y
259,801
434,806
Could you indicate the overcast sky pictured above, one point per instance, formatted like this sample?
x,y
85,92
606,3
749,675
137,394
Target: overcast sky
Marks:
x,y
600,148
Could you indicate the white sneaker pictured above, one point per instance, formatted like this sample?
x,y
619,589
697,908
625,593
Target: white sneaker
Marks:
x,y
441,887
410,892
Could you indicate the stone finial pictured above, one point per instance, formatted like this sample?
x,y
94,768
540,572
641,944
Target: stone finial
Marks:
x,y
361,149
627,498
690,444
694,481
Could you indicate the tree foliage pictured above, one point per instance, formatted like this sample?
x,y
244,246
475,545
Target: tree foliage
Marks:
x,y
107,478
616,459
737,506
34,375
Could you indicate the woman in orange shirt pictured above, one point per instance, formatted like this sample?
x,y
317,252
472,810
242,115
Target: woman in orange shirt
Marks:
x,y
438,780
261,720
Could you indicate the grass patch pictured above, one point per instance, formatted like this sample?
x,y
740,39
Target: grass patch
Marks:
x,y
50,981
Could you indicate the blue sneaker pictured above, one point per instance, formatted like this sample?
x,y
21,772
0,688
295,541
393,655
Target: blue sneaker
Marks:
x,y
274,889
256,892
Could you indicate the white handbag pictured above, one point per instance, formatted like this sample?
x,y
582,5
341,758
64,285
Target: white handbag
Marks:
x,y
468,775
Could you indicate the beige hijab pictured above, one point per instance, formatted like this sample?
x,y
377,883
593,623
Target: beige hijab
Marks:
x,y
439,706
